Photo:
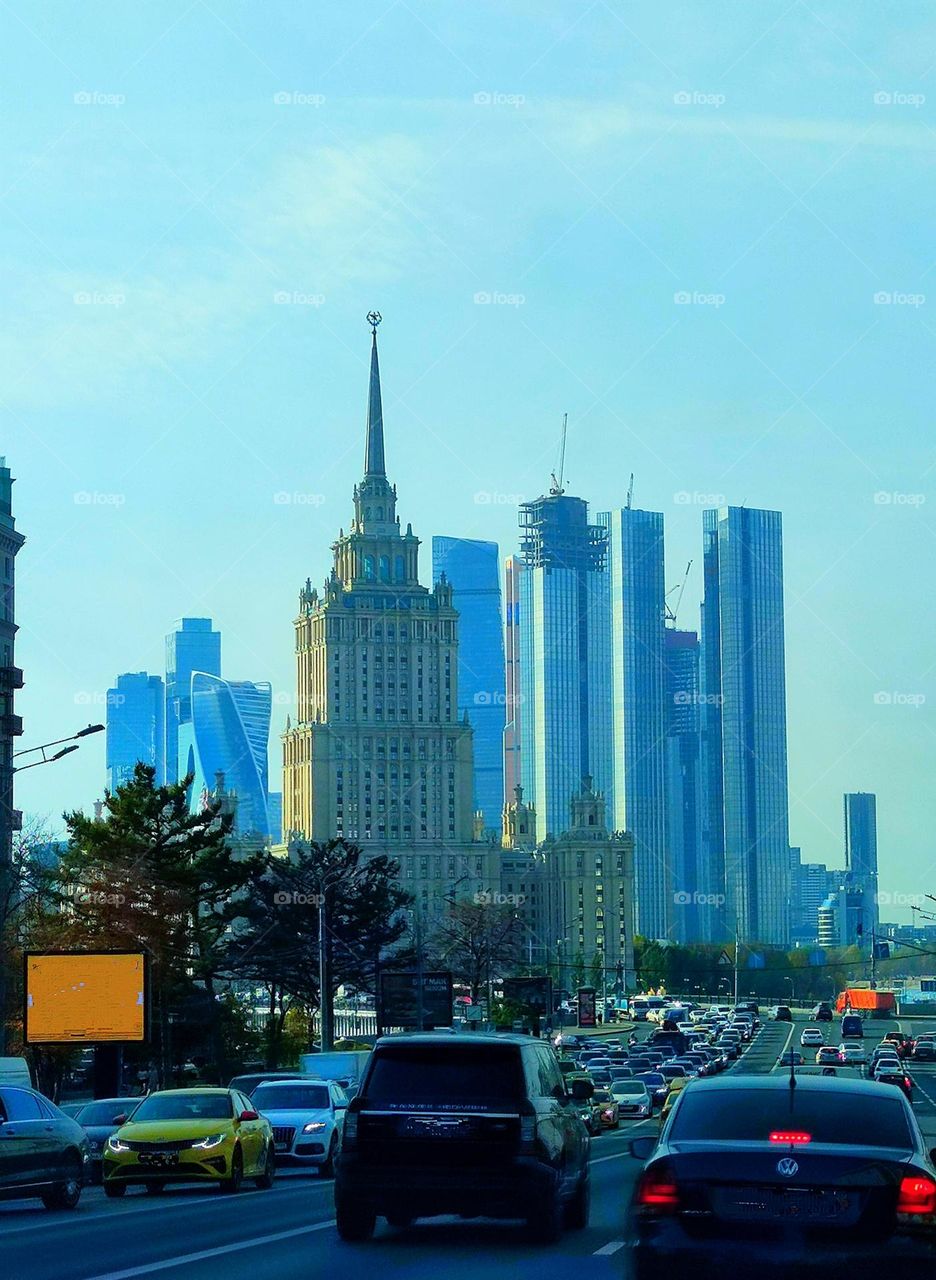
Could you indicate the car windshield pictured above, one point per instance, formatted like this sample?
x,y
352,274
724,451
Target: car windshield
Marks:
x,y
602,1095
184,1106
293,1097
752,1115
474,1076
102,1113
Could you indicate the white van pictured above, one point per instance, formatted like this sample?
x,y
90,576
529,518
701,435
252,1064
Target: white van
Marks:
x,y
15,1071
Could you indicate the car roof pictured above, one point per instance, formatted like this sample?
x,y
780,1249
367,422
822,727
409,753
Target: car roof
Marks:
x,y
781,1083
290,1084
186,1092
444,1039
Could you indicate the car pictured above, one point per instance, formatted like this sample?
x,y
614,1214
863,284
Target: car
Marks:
x,y
902,1043
247,1083
852,1053
924,1049
43,1152
657,1085
822,1012
812,1037
633,1098
898,1078
675,1089
827,1055
306,1118
852,1027
471,1125
783,1013
753,1178
884,1066
790,1058
605,1111
99,1120
190,1135
612,1046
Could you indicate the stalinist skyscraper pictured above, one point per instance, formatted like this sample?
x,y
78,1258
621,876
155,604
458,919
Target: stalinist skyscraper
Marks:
x,y
377,754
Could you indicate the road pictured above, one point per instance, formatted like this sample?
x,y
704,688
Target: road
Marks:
x,y
288,1233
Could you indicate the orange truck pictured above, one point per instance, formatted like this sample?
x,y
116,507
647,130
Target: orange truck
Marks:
x,y
873,1004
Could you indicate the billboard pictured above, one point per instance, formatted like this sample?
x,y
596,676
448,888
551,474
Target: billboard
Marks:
x,y
85,997
587,1013
399,1005
533,994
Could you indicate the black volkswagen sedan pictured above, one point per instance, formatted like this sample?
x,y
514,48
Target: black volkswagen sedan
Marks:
x,y
43,1152
99,1119
761,1176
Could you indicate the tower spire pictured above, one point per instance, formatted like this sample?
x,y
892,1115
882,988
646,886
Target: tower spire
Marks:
x,y
374,453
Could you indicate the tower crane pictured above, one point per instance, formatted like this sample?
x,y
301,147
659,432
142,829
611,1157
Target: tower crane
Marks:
x,y
556,490
669,614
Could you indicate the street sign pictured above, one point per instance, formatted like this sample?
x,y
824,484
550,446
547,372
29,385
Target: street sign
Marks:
x,y
399,1006
725,959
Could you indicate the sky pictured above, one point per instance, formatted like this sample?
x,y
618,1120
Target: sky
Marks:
x,y
701,230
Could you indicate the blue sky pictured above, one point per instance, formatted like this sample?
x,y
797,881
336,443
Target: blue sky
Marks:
x,y
704,231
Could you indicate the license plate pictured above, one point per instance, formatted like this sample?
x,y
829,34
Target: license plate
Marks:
x,y
786,1204
161,1158
282,1146
440,1127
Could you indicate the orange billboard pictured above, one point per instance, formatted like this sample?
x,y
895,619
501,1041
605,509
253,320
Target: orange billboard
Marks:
x,y
85,997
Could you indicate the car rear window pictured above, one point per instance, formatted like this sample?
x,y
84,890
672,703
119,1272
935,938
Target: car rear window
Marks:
x,y
471,1077
751,1115
294,1097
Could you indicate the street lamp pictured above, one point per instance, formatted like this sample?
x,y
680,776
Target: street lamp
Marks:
x,y
7,813
792,989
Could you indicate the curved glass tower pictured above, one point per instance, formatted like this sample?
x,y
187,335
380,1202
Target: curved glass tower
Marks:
x,y
228,734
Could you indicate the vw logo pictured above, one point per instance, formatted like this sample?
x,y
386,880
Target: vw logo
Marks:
x,y
787,1168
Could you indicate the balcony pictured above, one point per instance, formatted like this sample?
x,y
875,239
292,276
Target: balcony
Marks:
x,y
11,677
11,726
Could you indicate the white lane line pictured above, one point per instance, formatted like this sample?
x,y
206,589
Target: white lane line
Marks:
x,y
607,1249
44,1222
618,1155
185,1259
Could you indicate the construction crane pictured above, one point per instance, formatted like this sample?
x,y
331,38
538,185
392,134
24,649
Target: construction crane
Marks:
x,y
556,490
668,613
630,493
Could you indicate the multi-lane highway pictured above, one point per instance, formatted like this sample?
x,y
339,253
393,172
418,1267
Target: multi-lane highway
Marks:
x,y
288,1233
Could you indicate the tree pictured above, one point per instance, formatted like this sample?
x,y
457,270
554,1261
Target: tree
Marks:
x,y
478,941
154,875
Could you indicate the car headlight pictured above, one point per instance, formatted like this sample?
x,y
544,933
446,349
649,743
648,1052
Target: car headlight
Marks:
x,y
314,1126
206,1144
114,1144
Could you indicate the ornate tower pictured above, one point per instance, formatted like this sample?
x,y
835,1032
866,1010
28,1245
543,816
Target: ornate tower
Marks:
x,y
377,753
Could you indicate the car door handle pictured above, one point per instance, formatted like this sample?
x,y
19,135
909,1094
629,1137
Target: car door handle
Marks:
x,y
50,1128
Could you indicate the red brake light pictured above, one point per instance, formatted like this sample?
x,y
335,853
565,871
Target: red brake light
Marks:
x,y
658,1191
917,1195
788,1137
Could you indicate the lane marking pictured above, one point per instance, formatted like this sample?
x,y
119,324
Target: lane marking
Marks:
x,y
618,1155
248,1243
607,1249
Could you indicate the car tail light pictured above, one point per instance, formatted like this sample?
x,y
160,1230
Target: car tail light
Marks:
x,y
917,1196
349,1130
790,1137
657,1191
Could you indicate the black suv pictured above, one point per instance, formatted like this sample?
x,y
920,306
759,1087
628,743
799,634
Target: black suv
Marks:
x,y
474,1125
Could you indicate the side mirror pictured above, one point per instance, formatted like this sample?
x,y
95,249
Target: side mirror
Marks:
x,y
582,1090
121,1119
249,1115
642,1148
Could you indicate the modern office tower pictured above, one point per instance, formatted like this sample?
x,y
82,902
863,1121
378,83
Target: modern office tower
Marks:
x,y
136,727
227,734
744,722
565,657
861,848
695,916
379,754
193,646
473,570
11,725
639,715
513,569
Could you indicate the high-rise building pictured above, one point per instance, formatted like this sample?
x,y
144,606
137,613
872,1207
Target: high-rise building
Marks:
x,y
473,571
136,727
513,569
227,733
861,847
11,725
696,917
565,657
378,753
193,646
639,721
744,722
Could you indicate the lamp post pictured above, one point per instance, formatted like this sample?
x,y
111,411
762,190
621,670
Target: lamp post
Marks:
x,y
7,827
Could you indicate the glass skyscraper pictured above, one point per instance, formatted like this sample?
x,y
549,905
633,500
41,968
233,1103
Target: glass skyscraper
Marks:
x,y
744,722
861,861
513,571
565,658
228,733
473,571
695,917
193,646
136,709
635,541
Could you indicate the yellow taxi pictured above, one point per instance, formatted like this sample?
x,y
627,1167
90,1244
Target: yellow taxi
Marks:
x,y
190,1135
675,1089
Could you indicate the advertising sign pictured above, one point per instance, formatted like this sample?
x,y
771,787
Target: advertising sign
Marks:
x,y
399,1004
587,1013
85,997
